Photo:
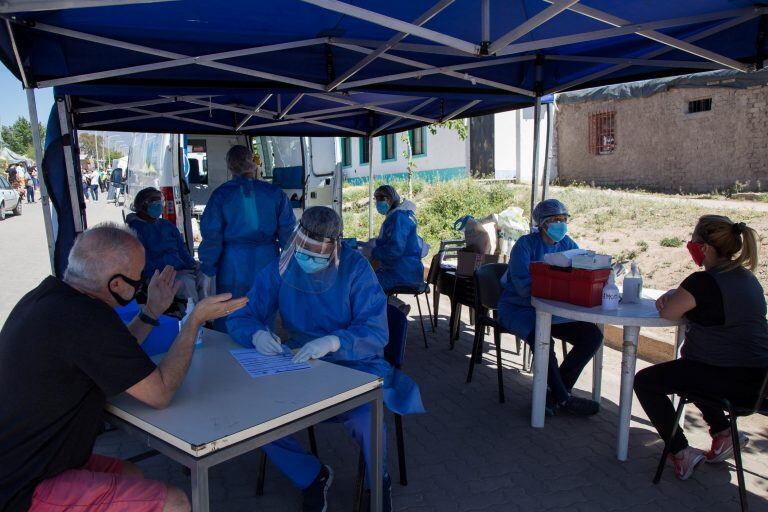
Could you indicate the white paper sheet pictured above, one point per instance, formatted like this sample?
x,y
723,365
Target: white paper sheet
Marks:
x,y
258,365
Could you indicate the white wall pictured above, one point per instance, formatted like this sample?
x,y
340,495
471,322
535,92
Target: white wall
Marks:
x,y
445,150
505,153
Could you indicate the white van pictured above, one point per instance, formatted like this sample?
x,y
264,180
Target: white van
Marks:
x,y
188,168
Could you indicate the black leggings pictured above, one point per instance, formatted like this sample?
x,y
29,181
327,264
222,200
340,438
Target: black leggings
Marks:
x,y
653,385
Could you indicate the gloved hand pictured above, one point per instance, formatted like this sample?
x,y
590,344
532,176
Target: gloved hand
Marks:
x,y
207,286
267,343
317,348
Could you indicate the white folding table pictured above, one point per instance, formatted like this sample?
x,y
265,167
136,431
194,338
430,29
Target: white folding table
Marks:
x,y
632,317
220,412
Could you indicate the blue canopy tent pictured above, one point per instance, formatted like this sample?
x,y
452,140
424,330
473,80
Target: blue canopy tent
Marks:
x,y
363,67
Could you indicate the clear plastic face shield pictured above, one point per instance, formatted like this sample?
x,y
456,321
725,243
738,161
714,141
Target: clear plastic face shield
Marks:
x,y
310,263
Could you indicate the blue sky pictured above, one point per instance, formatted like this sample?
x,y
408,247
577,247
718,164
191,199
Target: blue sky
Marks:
x,y
13,99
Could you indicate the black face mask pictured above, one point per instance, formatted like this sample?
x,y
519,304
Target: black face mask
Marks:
x,y
136,287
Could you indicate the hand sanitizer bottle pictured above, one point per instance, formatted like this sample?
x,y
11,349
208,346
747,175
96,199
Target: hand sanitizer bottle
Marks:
x,y
610,294
187,312
633,286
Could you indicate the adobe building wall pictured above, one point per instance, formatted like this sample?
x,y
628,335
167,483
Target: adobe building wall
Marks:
x,y
660,146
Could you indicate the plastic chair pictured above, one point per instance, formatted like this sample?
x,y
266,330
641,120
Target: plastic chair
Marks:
x,y
394,353
732,413
488,291
417,291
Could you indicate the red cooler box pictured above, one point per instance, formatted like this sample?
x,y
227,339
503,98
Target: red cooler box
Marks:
x,y
572,285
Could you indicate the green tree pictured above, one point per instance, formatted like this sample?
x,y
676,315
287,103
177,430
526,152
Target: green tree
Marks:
x,y
88,142
18,137
457,125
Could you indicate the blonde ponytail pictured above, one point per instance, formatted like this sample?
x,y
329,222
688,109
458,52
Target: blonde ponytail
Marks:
x,y
736,242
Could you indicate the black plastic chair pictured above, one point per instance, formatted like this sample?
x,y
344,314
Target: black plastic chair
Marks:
x,y
487,294
417,291
732,413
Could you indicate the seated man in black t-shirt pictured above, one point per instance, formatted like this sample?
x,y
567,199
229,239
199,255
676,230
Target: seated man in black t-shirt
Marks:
x,y
63,350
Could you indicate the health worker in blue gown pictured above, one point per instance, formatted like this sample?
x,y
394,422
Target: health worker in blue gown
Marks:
x,y
163,244
244,226
517,315
332,308
398,247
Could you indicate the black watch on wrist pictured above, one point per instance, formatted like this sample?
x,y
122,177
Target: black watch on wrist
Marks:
x,y
148,319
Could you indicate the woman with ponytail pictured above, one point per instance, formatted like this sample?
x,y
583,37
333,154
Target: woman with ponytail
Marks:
x,y
725,352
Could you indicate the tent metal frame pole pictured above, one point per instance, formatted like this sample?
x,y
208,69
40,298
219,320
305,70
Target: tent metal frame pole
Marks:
x,y
659,37
54,5
638,62
421,20
625,29
370,184
256,110
396,119
290,105
62,104
154,115
427,69
396,24
344,100
530,24
536,136
547,149
122,106
44,199
485,24
370,44
461,109
655,53
302,120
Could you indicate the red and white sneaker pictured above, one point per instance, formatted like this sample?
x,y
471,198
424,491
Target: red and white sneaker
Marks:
x,y
722,446
685,461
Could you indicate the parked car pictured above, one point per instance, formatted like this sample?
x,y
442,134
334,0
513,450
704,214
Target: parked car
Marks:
x,y
10,199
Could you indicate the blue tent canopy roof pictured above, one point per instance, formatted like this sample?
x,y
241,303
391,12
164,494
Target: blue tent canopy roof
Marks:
x,y
443,67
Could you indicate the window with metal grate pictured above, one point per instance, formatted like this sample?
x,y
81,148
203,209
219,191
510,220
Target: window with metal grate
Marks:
x,y
702,105
602,133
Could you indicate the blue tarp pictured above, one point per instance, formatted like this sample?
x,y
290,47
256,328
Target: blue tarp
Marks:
x,y
199,27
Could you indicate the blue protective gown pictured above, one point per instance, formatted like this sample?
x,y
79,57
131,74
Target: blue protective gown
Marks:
x,y
163,244
352,308
516,314
244,226
398,248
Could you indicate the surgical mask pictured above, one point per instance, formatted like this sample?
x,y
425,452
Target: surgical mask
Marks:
x,y
155,209
557,230
136,287
697,254
382,207
310,263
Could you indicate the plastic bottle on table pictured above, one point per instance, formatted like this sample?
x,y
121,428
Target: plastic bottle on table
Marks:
x,y
187,312
633,286
610,294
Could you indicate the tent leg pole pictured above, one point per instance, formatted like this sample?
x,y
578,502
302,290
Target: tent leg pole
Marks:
x,y
75,186
535,170
44,200
547,148
370,187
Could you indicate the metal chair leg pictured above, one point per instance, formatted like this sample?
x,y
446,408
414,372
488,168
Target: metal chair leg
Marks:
x,y
359,484
421,320
565,348
737,460
262,473
499,368
312,440
668,442
401,449
429,310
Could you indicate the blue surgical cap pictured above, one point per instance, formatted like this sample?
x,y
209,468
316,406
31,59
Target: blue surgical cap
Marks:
x,y
388,191
548,208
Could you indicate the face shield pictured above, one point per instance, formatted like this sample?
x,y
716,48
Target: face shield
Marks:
x,y
310,262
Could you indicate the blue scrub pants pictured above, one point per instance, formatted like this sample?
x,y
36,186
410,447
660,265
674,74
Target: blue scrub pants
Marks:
x,y
585,338
302,467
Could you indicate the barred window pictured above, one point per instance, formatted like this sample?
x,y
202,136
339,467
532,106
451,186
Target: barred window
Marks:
x,y
602,133
702,105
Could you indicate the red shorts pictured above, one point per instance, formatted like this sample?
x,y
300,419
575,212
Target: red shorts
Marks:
x,y
98,486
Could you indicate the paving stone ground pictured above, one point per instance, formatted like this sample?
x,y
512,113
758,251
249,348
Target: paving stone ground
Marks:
x,y
468,452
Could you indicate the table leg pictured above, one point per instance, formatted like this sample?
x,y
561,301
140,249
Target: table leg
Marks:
x,y
540,365
597,369
377,453
200,501
628,363
679,339
436,301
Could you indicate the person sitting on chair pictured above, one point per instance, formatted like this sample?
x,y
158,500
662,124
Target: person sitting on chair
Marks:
x,y
725,353
163,244
517,315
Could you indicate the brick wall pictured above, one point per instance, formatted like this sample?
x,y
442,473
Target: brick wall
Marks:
x,y
659,146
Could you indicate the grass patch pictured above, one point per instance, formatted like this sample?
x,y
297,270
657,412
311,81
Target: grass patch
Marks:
x,y
671,242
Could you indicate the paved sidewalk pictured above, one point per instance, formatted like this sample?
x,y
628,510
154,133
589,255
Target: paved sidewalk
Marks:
x,y
471,453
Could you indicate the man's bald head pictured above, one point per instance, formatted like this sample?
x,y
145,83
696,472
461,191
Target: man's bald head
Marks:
x,y
102,252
